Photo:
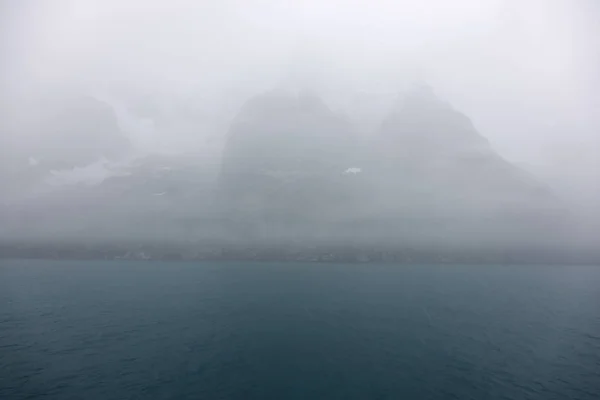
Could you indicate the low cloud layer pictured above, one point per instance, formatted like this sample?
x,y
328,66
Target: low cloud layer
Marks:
x,y
174,76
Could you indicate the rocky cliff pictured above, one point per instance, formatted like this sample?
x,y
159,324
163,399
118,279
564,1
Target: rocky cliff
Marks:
x,y
286,161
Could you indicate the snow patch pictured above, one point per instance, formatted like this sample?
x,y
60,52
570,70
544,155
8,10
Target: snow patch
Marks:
x,y
91,175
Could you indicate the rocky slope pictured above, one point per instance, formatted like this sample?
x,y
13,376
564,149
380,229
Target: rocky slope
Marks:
x,y
432,167
293,171
288,161
42,135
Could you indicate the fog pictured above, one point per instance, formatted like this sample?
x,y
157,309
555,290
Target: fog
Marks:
x,y
172,78
523,60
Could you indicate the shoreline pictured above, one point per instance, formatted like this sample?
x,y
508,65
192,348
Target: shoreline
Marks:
x,y
354,254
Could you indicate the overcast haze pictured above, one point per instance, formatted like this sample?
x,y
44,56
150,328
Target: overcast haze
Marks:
x,y
516,67
175,73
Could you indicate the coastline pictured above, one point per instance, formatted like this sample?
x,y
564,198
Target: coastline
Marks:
x,y
359,254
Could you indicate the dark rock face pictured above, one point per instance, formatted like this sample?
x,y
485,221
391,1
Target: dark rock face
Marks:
x,y
76,133
423,126
152,199
441,148
42,135
285,159
286,133
432,163
428,175
292,174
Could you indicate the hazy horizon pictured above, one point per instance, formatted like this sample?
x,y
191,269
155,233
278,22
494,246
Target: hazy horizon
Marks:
x,y
174,75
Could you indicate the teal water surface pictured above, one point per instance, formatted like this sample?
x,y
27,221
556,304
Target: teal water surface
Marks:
x,y
153,330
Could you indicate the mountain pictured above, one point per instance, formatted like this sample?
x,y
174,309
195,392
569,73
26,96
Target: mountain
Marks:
x,y
285,162
46,134
72,132
149,198
432,167
293,167
292,171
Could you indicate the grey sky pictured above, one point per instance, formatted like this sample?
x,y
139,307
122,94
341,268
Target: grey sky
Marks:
x,y
525,71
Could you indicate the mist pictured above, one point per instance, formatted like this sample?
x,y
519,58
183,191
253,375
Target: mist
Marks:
x,y
126,121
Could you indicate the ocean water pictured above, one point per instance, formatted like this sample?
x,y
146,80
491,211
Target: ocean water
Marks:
x,y
153,330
